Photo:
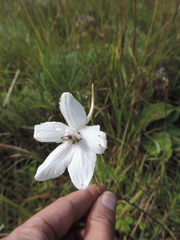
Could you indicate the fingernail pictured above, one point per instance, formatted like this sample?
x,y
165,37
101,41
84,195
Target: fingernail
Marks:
x,y
108,199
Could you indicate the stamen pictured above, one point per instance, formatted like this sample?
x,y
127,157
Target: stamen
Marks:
x,y
72,138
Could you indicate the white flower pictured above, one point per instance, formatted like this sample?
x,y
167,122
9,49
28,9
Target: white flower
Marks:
x,y
78,148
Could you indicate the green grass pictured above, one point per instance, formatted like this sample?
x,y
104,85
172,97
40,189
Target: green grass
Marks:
x,y
120,46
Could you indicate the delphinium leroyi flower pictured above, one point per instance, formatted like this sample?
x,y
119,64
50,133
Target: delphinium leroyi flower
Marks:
x,y
78,146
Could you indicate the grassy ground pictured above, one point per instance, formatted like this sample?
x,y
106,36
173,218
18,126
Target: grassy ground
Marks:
x,y
130,50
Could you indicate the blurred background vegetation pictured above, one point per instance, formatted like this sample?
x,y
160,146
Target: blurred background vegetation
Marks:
x,y
130,50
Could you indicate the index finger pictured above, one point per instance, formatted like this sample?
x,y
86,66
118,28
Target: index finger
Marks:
x,y
54,221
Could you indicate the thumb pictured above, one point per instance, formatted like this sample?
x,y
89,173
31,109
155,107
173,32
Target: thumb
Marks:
x,y
101,219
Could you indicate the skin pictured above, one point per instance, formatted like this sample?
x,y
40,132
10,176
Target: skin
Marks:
x,y
61,219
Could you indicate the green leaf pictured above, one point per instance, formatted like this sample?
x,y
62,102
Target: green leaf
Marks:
x,y
173,117
125,221
173,131
154,112
124,224
158,144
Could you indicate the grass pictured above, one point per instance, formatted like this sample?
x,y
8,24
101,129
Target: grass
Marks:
x,y
49,47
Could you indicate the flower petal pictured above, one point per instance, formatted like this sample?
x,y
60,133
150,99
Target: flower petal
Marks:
x,y
50,131
82,166
72,111
56,163
94,139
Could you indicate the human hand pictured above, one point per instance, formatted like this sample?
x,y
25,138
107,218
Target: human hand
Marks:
x,y
60,219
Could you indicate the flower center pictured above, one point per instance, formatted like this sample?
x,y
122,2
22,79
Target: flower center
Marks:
x,y
71,137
